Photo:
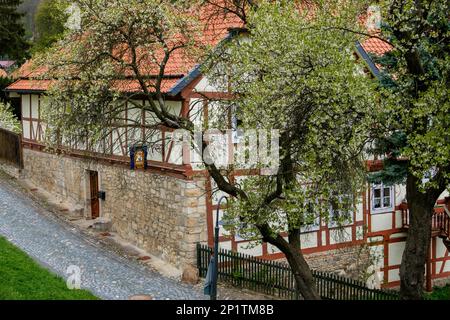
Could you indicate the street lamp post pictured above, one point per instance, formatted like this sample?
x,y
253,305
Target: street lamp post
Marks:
x,y
216,253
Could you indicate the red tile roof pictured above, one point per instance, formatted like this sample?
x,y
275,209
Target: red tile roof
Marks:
x,y
29,85
133,86
214,29
376,46
27,70
179,65
129,86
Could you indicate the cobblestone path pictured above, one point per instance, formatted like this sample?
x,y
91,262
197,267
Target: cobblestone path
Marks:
x,y
57,247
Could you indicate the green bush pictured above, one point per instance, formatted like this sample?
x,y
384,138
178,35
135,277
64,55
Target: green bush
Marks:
x,y
8,121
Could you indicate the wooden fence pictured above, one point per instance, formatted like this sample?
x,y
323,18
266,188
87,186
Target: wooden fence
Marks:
x,y
11,148
276,279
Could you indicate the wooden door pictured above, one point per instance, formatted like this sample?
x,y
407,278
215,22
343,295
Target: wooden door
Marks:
x,y
95,203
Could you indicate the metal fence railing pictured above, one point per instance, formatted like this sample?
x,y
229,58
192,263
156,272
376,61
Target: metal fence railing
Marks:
x,y
276,279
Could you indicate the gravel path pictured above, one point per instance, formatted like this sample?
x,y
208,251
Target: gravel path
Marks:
x,y
57,247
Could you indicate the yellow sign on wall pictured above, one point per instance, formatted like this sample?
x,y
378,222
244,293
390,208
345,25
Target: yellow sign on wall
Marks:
x,y
139,159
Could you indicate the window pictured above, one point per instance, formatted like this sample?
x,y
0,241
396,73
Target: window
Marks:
x,y
382,197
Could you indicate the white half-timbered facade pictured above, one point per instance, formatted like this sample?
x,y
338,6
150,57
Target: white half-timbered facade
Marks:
x,y
380,219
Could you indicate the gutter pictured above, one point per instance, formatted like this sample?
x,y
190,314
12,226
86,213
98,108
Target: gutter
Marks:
x,y
365,56
196,71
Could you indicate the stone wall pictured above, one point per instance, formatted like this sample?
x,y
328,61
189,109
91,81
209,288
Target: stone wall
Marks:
x,y
161,214
10,169
351,262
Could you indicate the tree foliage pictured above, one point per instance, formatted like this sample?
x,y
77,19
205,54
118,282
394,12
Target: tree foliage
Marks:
x,y
50,19
413,132
292,77
7,119
120,45
13,44
4,82
415,94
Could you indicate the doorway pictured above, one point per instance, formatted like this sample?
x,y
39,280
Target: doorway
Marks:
x,y
95,203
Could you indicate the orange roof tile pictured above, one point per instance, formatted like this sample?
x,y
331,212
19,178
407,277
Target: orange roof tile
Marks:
x,y
29,85
376,46
27,70
126,86
3,73
180,63
214,29
133,86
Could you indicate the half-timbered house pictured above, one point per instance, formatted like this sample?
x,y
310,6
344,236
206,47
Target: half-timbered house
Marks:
x,y
170,207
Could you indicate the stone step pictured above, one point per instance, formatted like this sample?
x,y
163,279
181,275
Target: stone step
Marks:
x,y
102,224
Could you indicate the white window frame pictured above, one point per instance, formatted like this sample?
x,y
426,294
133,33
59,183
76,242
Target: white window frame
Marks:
x,y
382,209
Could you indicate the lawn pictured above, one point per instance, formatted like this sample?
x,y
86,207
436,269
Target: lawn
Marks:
x,y
23,279
440,293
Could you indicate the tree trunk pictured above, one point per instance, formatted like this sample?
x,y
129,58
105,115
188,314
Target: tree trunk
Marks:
x,y
412,270
304,279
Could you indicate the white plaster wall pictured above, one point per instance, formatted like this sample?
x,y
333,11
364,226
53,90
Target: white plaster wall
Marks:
x,y
340,235
154,146
395,253
196,112
271,249
398,235
446,266
360,233
205,86
226,245
398,219
400,194
250,250
26,129
26,105
118,138
308,240
377,253
381,221
35,106
217,194
359,211
440,248
222,231
324,238
394,275
134,117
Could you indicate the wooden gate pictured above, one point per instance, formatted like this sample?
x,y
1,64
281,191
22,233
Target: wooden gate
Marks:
x,y
11,148
95,203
